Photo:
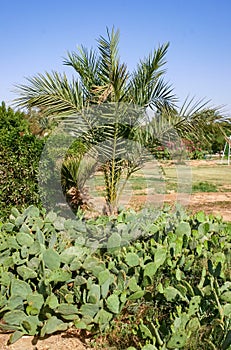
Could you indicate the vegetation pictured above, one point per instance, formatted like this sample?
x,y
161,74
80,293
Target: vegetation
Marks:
x,y
110,110
152,280
19,153
204,187
158,280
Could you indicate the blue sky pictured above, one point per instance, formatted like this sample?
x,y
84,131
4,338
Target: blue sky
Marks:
x,y
36,35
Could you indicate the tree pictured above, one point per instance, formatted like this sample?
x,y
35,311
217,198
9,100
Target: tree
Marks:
x,y
109,106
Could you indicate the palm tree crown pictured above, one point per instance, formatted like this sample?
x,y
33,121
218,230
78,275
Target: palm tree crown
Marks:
x,y
101,77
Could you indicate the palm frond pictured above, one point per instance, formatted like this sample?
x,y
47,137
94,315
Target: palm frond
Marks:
x,y
189,121
146,86
86,64
113,74
190,107
53,92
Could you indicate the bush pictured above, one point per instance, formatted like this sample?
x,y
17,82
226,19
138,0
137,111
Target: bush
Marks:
x,y
19,153
164,276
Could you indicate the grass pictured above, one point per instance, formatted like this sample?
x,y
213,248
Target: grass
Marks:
x,y
204,187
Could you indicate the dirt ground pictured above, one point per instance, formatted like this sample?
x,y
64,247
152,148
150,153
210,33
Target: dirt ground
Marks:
x,y
64,341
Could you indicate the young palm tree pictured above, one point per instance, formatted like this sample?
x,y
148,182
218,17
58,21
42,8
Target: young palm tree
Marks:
x,y
94,98
102,78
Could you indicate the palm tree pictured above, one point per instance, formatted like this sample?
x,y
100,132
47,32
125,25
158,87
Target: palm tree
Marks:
x,y
102,78
107,105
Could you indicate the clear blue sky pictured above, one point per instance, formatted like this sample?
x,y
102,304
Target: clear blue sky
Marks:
x,y
36,35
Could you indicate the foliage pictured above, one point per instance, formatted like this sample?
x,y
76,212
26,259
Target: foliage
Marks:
x,y
102,78
75,171
188,132
19,154
204,186
167,272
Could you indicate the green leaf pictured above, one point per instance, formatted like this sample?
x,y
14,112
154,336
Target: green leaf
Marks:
x,y
20,288
200,216
31,324
53,325
94,294
75,264
194,305
148,347
14,302
79,324
93,265
146,333
59,275
160,257
89,310
36,301
19,220
103,318
150,269
226,296
32,211
113,303
24,239
105,287
103,277
12,243
68,255
50,217
66,309
227,310
177,340
90,263
203,228
51,259
59,223
15,212
8,227
137,295
25,229
114,241
14,317
79,280
183,229
26,273
35,248
170,293
132,259
52,301
16,336
132,284
193,325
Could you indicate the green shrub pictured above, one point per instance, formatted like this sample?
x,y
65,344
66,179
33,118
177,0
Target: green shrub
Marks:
x,y
19,153
167,272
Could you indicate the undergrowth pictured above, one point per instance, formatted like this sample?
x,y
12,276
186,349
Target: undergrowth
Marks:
x,y
152,280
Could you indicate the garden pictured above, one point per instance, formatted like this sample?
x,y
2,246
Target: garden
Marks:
x,y
115,227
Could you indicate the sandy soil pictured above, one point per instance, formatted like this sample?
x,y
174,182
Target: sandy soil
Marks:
x,y
64,341
217,203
